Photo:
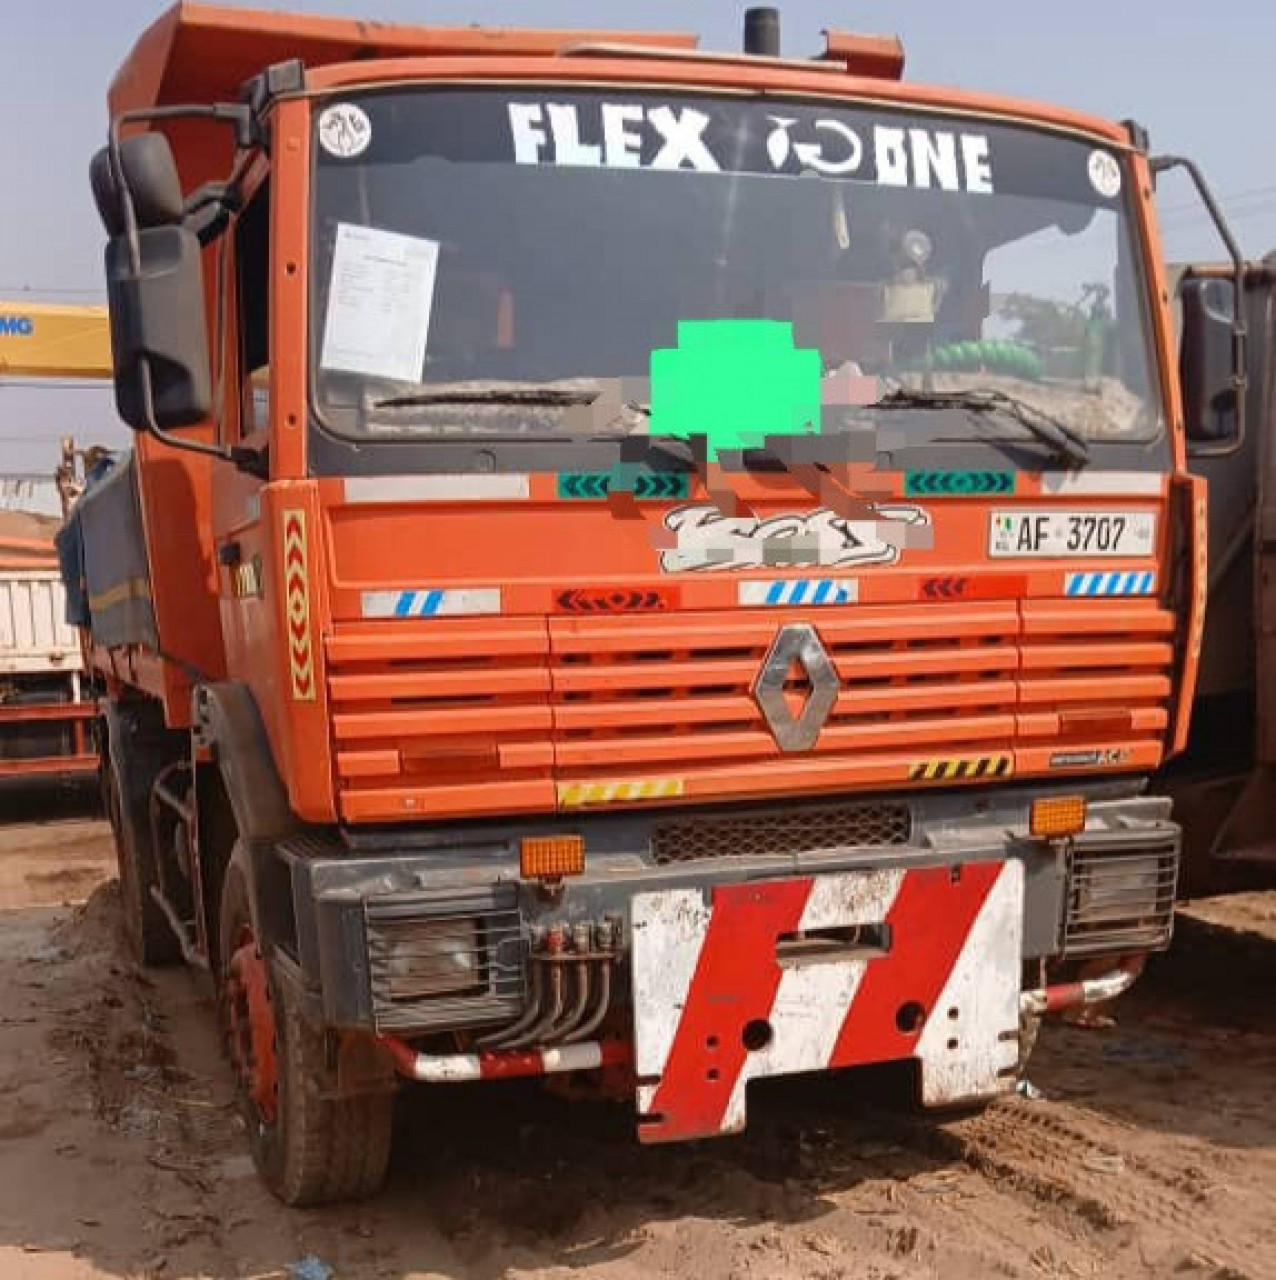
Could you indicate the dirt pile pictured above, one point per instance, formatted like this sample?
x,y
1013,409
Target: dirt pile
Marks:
x,y
1151,1155
26,540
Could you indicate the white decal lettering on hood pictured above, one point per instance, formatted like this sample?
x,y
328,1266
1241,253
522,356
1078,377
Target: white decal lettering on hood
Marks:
x,y
840,159
929,158
631,135
553,134
708,541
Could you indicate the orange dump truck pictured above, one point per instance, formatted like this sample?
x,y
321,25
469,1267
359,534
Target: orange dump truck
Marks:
x,y
483,703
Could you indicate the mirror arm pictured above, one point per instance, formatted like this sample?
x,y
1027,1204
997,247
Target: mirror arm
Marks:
x,y
1240,333
210,208
209,224
221,194
253,462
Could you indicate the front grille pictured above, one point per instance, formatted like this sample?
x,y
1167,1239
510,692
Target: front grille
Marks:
x,y
465,717
1121,893
786,832
444,961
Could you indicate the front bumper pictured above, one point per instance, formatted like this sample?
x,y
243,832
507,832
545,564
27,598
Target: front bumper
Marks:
x,y
727,969
1107,891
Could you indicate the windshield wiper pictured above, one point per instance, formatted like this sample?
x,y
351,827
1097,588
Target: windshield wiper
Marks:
x,y
1065,441
498,393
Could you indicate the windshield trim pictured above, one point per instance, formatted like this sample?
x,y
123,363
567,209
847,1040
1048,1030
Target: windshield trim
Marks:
x,y
334,455
1131,217
715,80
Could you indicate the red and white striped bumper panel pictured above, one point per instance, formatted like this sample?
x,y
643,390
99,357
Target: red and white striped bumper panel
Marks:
x,y
944,989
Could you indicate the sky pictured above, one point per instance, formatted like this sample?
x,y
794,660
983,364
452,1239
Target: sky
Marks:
x,y
1189,72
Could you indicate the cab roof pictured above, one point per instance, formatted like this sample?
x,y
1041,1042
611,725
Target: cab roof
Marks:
x,y
199,53
204,53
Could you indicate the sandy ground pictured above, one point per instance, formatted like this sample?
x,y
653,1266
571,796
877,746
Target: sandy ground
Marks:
x,y
1153,1153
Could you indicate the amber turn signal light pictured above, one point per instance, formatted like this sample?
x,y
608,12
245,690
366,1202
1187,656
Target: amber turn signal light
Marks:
x,y
1057,816
550,857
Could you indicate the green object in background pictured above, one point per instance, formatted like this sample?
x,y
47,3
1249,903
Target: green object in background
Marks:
x,y
735,382
995,357
1095,343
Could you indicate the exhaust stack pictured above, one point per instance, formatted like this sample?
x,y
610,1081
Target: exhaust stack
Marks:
x,y
762,32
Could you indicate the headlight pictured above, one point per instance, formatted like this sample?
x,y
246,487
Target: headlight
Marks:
x,y
435,958
1118,888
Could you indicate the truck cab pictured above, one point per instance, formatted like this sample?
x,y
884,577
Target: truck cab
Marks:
x,y
670,566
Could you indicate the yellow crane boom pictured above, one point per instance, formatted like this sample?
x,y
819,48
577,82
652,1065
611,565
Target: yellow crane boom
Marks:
x,y
43,733
44,341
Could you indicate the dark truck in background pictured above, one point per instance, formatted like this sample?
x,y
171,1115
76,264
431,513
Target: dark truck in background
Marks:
x,y
1223,786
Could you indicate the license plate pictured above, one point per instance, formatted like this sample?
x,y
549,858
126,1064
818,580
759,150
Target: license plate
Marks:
x,y
1072,534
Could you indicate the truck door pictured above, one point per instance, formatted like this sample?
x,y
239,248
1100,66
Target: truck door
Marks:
x,y
245,421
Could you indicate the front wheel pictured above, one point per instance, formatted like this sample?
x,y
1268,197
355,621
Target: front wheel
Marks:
x,y
309,1149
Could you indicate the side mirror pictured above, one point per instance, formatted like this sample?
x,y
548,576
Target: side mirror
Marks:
x,y
154,287
154,271
1214,349
1207,362
151,181
157,329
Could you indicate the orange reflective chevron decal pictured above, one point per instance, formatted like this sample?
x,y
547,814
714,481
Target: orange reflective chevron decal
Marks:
x,y
1193,515
301,653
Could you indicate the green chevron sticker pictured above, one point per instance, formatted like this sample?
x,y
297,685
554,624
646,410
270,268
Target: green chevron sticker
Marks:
x,y
957,484
646,486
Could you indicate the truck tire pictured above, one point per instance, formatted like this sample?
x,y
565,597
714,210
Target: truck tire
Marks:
x,y
309,1149
150,940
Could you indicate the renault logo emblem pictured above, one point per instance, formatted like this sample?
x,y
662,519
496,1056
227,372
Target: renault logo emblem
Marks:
x,y
796,651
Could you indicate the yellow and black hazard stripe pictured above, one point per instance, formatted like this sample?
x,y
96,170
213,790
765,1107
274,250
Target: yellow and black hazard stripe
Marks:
x,y
572,795
952,769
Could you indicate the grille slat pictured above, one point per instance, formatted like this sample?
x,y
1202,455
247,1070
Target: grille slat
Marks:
x,y
781,833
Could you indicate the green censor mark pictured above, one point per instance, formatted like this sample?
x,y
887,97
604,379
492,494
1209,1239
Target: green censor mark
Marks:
x,y
735,382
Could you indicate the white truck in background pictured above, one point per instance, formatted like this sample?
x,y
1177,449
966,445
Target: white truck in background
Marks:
x,y
46,711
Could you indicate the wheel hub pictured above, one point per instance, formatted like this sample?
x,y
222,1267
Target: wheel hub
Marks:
x,y
252,1023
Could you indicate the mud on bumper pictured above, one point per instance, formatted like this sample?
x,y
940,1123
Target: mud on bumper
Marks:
x,y
732,968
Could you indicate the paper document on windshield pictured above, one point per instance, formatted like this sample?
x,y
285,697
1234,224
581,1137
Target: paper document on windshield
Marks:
x,y
379,303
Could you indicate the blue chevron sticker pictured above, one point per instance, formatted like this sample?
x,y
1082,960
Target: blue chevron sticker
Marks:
x,y
786,591
1135,583
431,603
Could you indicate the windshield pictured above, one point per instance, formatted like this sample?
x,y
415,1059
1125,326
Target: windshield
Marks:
x,y
505,263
